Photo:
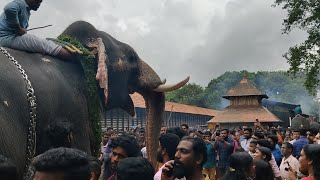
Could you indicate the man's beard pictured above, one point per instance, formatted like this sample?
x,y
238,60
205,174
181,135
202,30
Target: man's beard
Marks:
x,y
180,170
159,157
113,166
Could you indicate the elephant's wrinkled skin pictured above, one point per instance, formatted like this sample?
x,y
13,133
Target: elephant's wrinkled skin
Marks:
x,y
60,92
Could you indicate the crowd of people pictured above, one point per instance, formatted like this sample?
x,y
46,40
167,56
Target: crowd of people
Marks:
x,y
244,153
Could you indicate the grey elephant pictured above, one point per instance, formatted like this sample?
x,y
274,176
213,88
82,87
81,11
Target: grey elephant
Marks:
x,y
59,93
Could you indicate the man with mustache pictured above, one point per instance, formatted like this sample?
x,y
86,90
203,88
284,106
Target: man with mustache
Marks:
x,y
14,22
190,156
121,147
167,148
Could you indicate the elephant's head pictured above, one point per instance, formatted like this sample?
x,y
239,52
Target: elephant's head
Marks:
x,y
127,74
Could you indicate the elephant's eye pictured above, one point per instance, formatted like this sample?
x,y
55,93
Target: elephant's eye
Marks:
x,y
132,57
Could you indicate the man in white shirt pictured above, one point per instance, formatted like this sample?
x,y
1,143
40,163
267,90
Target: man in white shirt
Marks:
x,y
247,135
296,136
288,160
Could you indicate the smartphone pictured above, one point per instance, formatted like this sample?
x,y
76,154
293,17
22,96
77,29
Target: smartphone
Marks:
x,y
287,168
170,172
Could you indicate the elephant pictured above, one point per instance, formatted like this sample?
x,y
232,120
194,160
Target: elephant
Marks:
x,y
60,94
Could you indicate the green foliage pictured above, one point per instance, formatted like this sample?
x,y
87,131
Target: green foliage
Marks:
x,y
219,87
89,66
305,57
279,86
189,94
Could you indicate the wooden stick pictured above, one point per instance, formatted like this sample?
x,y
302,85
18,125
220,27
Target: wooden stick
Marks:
x,y
39,27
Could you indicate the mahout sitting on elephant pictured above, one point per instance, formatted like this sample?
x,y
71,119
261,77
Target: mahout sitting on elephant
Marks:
x,y
14,22
44,90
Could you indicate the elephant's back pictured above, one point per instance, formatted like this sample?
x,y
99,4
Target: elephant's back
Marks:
x,y
60,93
56,83
59,87
13,112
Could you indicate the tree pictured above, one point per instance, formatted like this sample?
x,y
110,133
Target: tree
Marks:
x,y
219,87
305,57
191,94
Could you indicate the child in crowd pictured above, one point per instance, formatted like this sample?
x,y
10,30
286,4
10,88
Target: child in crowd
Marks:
x,y
252,147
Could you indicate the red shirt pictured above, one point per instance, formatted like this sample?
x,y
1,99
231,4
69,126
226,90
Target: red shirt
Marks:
x,y
308,178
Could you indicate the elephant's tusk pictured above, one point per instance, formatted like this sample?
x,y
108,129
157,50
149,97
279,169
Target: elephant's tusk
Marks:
x,y
164,81
167,88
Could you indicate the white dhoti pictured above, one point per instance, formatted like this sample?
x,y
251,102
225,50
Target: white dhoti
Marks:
x,y
32,43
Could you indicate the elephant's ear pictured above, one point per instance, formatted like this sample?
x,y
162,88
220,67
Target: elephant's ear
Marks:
x,y
128,106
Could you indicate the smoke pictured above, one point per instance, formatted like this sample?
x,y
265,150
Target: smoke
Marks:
x,y
281,88
223,103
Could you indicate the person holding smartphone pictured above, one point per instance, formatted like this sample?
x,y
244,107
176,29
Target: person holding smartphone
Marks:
x,y
190,156
224,146
287,160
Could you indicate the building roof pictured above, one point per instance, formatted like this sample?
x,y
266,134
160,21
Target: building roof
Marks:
x,y
175,107
238,114
267,102
244,88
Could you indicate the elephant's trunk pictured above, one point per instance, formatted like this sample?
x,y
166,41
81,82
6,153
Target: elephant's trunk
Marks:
x,y
155,103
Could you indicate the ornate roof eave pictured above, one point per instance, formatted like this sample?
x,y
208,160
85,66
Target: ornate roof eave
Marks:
x,y
261,95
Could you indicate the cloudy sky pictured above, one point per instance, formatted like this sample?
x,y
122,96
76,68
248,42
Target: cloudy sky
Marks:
x,y
200,38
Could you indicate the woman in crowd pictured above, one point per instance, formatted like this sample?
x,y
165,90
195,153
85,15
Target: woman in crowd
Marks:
x,y
309,163
263,170
262,153
241,167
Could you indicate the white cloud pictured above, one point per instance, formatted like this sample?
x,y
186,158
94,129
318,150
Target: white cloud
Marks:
x,y
122,25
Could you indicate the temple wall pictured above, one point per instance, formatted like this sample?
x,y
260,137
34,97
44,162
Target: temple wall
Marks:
x,y
245,101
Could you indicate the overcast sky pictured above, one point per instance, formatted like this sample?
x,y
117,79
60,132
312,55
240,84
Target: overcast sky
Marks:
x,y
177,38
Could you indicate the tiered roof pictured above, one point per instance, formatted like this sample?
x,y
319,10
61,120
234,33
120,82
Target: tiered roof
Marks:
x,y
244,88
244,112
